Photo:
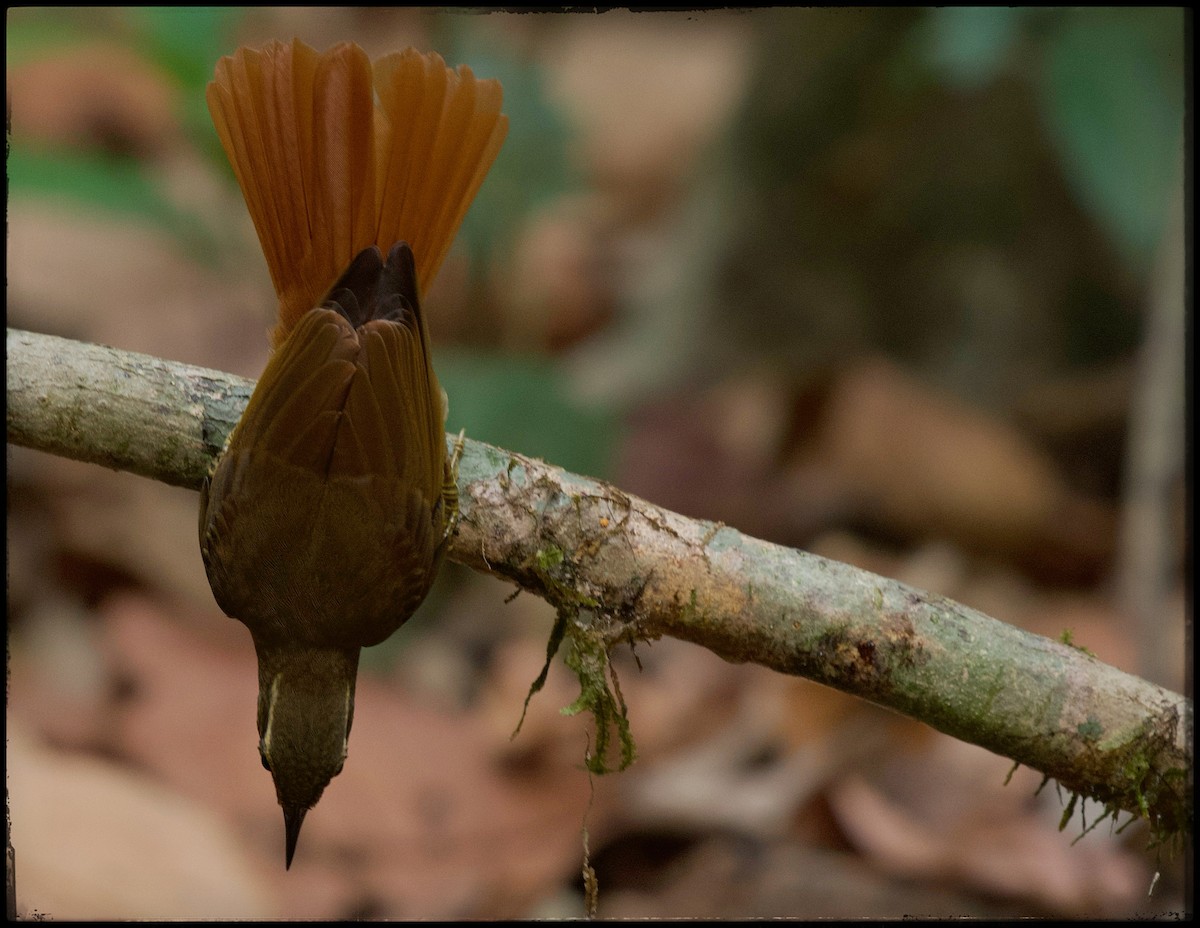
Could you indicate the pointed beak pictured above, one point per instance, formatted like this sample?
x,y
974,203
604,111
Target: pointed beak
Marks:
x,y
293,818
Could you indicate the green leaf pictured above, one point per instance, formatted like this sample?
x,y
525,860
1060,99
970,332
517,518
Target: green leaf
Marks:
x,y
186,41
102,181
525,404
32,31
969,45
1112,94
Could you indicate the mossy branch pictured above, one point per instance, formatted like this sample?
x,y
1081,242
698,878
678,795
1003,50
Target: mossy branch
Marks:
x,y
623,569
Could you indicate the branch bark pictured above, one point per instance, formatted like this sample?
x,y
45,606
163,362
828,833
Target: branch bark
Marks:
x,y
628,570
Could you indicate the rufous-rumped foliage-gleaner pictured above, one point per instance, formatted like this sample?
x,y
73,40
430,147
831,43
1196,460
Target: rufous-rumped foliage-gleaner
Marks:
x,y
326,516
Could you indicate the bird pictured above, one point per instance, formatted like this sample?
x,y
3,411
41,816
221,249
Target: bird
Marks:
x,y
327,514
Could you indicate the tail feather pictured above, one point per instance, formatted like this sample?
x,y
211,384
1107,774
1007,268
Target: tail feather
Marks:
x,y
326,172
442,131
343,176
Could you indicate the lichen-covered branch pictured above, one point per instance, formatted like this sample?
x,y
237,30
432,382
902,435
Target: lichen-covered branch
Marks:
x,y
128,411
627,570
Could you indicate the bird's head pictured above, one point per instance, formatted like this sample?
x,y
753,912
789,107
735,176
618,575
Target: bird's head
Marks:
x,y
305,709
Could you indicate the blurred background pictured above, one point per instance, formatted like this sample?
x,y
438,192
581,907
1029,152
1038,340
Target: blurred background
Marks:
x,y
904,288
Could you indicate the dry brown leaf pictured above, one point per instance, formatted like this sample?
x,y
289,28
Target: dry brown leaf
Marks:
x,y
945,814
128,285
61,683
921,465
95,840
188,710
732,878
713,455
93,95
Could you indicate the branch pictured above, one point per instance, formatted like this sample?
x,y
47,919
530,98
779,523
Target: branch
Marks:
x,y
628,570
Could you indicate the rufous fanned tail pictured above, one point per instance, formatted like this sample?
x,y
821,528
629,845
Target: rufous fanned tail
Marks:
x,y
335,154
